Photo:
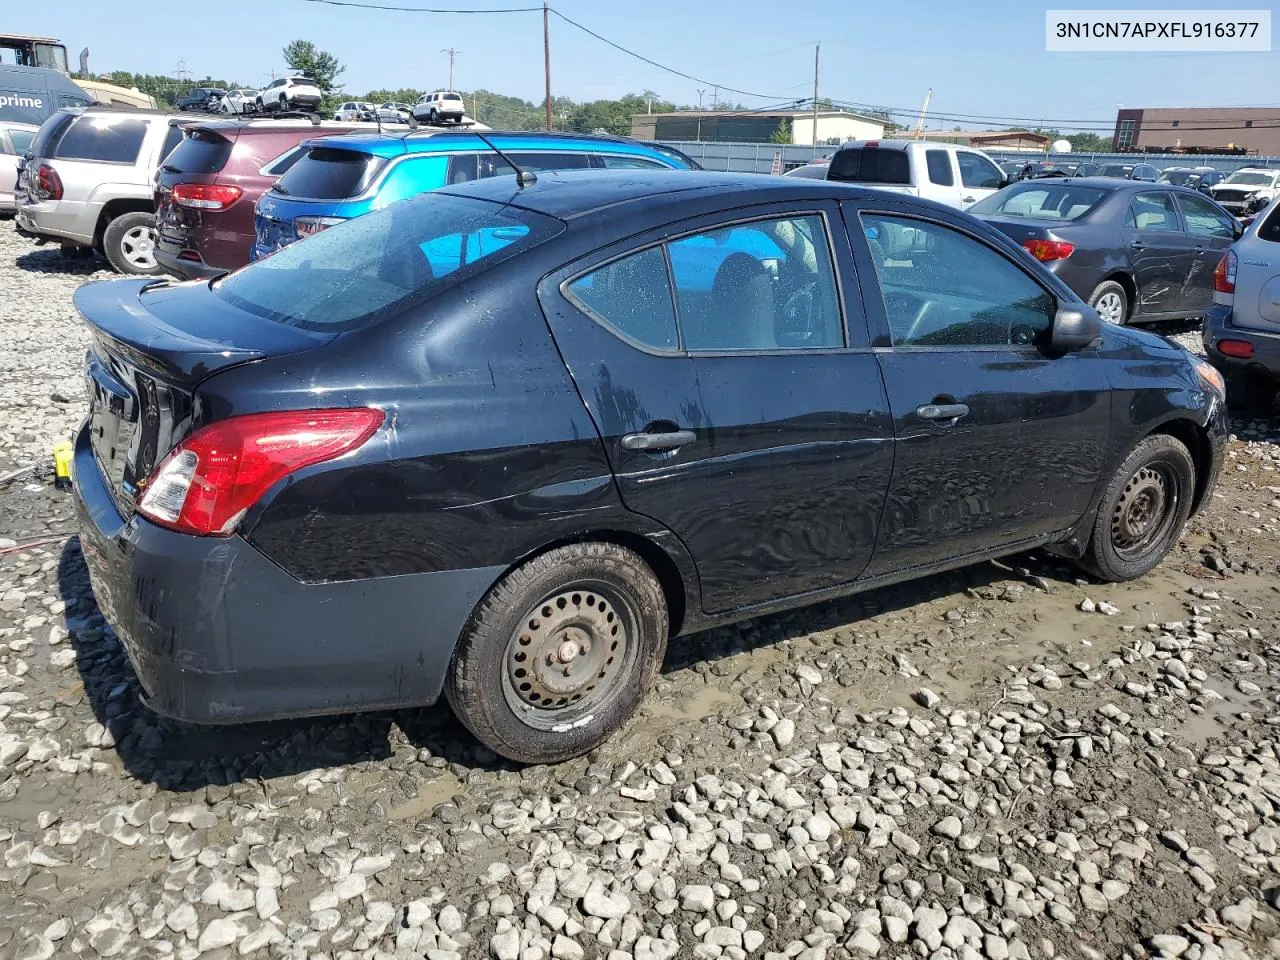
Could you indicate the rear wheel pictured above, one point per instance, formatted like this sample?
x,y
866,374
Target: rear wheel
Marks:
x,y
1142,511
284,103
1111,300
129,243
560,653
433,118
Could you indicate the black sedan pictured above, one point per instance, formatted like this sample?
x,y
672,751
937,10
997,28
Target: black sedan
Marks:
x,y
1137,252
502,442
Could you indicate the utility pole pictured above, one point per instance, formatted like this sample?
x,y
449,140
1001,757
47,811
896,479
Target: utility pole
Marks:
x,y
715,98
699,135
817,47
452,54
546,54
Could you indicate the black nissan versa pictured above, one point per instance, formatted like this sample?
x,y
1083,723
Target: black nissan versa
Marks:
x,y
503,441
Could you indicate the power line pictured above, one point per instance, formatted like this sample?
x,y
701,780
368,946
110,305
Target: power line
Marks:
x,y
400,9
661,66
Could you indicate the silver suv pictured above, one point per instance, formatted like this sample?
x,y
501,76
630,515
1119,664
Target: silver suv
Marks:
x,y
1242,329
87,182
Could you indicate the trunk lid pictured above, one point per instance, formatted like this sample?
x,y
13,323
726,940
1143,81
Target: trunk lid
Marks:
x,y
151,345
198,159
1019,229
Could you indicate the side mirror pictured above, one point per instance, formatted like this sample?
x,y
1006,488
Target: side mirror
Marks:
x,y
1074,328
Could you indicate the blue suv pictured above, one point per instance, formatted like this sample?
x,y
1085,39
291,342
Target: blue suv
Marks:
x,y
342,177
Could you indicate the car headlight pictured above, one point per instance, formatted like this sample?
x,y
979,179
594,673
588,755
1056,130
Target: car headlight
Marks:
x,y
1210,377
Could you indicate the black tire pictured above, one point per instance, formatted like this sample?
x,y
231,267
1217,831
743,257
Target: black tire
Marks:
x,y
1104,296
1252,392
433,118
594,607
258,104
1143,508
284,103
128,243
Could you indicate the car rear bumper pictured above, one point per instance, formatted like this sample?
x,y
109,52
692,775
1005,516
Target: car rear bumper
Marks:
x,y
1218,326
185,269
217,633
56,220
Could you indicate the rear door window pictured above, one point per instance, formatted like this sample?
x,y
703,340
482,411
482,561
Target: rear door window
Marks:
x,y
105,139
201,152
939,163
326,173
50,133
870,165
632,296
1153,211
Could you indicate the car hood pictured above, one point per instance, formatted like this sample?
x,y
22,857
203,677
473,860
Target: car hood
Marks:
x,y
1138,340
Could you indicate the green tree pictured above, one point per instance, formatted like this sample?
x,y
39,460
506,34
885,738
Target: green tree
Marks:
x,y
783,132
321,66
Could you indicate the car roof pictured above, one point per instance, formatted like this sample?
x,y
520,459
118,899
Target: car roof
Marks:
x,y
570,194
433,141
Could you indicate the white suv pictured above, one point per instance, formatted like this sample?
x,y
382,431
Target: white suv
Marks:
x,y
443,106
956,176
290,93
1247,191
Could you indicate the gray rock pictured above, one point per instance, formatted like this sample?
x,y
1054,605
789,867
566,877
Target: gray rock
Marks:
x,y
697,898
1170,945
949,827
596,902
505,945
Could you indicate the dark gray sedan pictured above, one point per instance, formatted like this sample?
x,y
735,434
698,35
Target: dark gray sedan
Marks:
x,y
1137,252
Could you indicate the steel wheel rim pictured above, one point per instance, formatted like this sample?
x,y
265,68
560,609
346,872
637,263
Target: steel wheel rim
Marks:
x,y
1110,308
138,246
1145,511
565,660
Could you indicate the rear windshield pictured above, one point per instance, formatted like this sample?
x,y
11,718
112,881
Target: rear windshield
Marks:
x,y
1040,201
49,132
103,138
200,152
1179,177
870,165
1116,171
329,174
373,267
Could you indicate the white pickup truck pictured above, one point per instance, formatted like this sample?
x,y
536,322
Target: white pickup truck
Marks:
x,y
950,174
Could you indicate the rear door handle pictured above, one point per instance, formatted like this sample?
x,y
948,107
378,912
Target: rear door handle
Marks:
x,y
658,441
942,411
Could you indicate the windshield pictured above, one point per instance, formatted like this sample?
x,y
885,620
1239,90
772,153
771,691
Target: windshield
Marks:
x,y
1251,179
326,173
1115,170
367,269
1040,201
1179,176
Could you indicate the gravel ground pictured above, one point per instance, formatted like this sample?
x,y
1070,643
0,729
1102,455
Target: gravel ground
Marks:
x,y
1006,762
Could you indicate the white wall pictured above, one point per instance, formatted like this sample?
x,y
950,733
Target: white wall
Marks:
x,y
835,126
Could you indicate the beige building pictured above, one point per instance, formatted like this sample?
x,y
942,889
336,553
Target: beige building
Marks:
x,y
1020,140
1251,130
834,126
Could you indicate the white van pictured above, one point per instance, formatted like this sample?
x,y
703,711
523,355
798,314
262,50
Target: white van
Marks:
x,y
956,176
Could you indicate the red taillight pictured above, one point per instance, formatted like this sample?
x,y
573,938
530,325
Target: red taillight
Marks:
x,y
205,485
1045,250
48,183
1241,349
206,196
1224,275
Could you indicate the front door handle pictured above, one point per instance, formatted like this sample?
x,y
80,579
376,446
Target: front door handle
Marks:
x,y
942,411
1138,245
968,199
658,441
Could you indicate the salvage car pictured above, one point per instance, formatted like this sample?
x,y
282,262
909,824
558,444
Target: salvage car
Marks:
x,y
1247,191
344,177
87,183
503,441
1242,329
1136,252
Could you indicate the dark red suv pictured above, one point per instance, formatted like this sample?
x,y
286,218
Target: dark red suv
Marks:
x,y
207,187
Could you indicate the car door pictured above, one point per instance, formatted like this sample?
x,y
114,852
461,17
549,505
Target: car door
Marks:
x,y
978,176
1212,230
939,173
733,407
998,442
1160,253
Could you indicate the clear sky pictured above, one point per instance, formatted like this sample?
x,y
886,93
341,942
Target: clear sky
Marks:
x,y
980,57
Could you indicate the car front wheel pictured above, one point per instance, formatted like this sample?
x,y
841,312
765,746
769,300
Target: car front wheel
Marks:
x,y
1142,511
1111,301
560,653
